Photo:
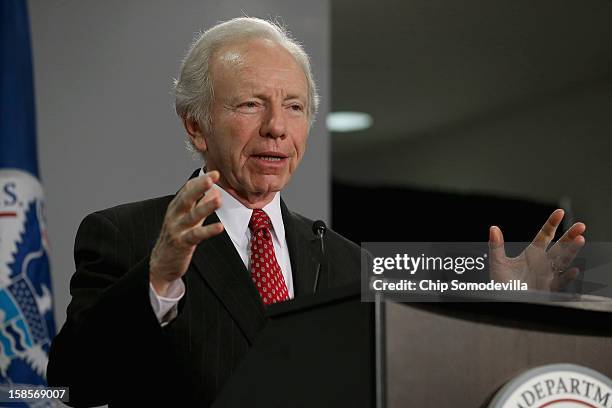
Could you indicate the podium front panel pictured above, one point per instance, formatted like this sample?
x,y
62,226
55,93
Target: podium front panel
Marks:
x,y
460,354
313,352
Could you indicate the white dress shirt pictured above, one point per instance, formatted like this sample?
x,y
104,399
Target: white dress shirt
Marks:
x,y
235,218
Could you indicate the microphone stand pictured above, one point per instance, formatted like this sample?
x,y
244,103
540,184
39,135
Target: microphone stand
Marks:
x,y
319,228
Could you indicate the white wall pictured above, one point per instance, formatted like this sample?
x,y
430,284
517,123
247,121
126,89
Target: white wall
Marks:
x,y
107,133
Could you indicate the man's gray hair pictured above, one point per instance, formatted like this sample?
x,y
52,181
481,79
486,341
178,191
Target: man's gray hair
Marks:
x,y
194,87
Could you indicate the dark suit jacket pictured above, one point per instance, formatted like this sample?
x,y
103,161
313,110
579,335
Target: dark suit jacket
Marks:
x,y
112,348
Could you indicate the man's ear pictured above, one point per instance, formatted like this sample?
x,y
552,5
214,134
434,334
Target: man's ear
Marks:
x,y
196,134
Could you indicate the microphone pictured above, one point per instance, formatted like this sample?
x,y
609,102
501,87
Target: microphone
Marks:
x,y
319,228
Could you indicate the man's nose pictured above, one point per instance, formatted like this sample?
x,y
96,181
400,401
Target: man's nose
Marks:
x,y
274,124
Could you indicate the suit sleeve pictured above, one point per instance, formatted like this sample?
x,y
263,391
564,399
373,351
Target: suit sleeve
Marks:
x,y
109,316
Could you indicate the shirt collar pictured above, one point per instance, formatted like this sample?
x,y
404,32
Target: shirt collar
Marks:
x,y
235,217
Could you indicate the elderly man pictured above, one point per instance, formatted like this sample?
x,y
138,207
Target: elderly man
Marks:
x,y
169,293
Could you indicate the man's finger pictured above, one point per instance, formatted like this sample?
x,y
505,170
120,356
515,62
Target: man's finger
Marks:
x,y
569,240
563,254
210,195
547,232
203,209
575,230
194,189
196,235
496,244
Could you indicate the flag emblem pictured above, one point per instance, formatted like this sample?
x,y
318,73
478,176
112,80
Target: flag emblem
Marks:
x,y
26,316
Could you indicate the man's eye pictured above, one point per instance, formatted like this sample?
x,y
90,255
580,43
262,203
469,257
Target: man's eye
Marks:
x,y
297,108
248,105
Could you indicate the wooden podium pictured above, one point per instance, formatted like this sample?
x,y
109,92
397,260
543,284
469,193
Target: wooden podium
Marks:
x,y
333,350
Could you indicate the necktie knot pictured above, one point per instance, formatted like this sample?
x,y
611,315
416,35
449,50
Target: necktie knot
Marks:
x,y
259,220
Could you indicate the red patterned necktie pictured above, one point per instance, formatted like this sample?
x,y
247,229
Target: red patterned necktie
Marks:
x,y
265,271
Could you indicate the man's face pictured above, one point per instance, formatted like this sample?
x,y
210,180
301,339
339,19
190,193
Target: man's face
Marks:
x,y
259,118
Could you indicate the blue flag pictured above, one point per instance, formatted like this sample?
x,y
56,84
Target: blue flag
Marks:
x,y
26,312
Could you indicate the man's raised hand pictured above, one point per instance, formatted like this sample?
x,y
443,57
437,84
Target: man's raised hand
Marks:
x,y
182,230
541,267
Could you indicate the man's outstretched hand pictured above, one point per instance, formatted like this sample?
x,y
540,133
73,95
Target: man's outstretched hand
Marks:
x,y
541,267
182,230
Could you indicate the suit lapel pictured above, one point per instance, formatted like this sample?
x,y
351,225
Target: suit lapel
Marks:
x,y
219,264
302,251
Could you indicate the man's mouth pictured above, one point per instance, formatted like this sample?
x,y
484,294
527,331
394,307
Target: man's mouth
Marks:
x,y
270,156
